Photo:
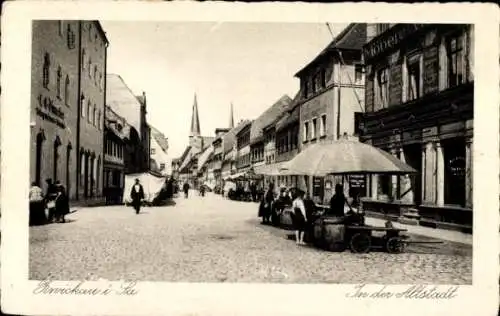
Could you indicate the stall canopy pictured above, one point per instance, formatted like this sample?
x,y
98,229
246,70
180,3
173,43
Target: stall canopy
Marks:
x,y
275,169
345,157
152,185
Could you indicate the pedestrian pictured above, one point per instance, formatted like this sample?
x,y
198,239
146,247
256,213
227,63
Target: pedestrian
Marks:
x,y
338,202
202,190
311,216
268,204
137,195
62,203
186,190
37,206
50,197
299,218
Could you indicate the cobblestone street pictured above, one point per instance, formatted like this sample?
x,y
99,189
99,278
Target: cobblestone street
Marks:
x,y
216,240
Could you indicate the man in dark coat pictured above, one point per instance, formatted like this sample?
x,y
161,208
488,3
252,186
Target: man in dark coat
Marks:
x,y
185,188
137,195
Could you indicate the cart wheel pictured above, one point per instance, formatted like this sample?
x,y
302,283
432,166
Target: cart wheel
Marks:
x,y
395,245
360,243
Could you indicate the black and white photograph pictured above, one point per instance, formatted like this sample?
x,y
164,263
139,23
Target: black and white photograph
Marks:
x,y
273,153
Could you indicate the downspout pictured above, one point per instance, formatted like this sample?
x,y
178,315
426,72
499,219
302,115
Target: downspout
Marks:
x,y
104,117
79,104
338,97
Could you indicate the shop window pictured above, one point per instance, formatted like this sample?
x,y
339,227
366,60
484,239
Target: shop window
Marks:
x,y
39,151
306,132
456,60
57,143
454,175
314,128
46,71
414,78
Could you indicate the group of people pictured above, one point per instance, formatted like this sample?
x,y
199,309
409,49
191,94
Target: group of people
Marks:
x,y
49,207
304,210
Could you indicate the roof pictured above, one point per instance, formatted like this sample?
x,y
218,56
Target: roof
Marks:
x,y
160,138
204,156
288,118
353,37
116,124
269,116
101,30
123,101
207,141
230,137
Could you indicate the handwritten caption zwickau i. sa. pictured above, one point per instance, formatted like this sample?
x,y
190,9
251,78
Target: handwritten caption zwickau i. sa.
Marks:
x,y
84,288
411,292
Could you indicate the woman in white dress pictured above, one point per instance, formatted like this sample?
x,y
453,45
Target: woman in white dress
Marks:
x,y
299,218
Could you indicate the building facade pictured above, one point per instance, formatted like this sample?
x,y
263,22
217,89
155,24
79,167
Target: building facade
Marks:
x,y
92,109
287,144
419,107
331,96
160,160
67,134
133,109
260,142
243,154
116,130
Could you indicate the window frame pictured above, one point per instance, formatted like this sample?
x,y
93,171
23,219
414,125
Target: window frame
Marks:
x,y
314,127
459,52
322,128
305,132
412,61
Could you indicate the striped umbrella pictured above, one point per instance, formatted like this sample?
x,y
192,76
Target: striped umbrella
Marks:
x,y
345,157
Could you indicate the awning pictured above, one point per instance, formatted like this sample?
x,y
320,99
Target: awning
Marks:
x,y
275,169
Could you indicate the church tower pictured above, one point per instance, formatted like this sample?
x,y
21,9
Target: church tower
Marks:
x,y
231,117
195,132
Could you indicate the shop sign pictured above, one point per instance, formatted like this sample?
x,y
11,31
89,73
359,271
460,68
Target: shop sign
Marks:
x,y
456,166
390,39
47,111
357,181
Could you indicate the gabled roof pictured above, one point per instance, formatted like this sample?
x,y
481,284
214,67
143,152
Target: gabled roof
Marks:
x,y
160,138
269,116
230,137
353,37
204,156
123,101
289,118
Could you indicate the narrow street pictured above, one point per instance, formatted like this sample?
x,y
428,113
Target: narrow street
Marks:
x,y
212,239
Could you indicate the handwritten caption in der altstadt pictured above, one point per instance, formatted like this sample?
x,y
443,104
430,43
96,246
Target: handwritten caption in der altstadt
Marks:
x,y
411,292
83,288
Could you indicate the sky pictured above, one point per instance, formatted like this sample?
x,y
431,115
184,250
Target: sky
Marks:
x,y
248,64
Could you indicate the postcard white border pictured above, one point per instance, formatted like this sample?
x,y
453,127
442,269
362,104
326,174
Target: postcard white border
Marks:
x,y
239,299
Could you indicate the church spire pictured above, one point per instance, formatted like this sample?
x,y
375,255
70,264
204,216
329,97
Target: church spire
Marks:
x,y
195,121
231,117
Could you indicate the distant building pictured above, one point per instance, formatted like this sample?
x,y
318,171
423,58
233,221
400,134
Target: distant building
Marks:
x,y
133,109
419,107
160,160
116,132
243,154
67,105
261,152
229,149
188,164
331,97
